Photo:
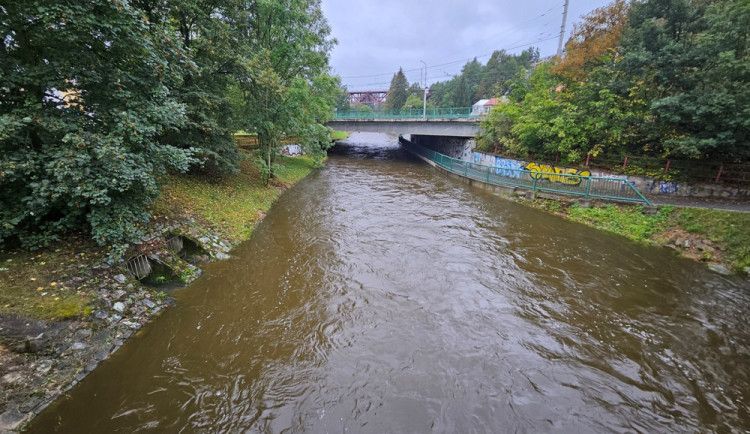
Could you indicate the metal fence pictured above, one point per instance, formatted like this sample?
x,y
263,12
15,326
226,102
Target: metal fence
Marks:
x,y
431,113
586,186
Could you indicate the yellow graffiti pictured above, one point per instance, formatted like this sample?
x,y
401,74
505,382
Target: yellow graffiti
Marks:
x,y
556,174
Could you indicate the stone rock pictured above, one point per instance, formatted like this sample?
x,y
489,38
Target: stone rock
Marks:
x,y
204,240
120,293
150,304
11,419
12,378
100,314
114,319
78,346
197,259
44,366
119,307
747,271
221,256
82,334
131,325
719,269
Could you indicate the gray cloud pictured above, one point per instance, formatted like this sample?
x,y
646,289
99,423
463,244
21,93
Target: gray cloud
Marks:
x,y
376,37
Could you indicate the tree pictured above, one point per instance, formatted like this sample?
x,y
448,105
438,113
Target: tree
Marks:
x,y
398,92
84,98
594,41
687,63
283,71
212,46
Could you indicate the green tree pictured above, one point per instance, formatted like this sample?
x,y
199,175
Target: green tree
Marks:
x,y
212,46
688,62
282,88
398,92
84,98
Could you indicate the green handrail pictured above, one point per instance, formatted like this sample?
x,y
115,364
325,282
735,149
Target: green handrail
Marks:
x,y
430,113
594,186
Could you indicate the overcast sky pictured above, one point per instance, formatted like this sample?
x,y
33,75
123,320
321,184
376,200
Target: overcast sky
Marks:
x,y
376,37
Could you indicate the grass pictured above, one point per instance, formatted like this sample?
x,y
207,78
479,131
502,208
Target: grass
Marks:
x,y
231,205
339,135
34,283
628,221
729,229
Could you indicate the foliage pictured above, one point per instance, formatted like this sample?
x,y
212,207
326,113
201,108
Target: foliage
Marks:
x,y
208,40
594,41
398,92
657,78
281,86
83,101
477,81
724,227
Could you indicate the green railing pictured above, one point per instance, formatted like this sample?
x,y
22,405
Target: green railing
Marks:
x,y
431,113
586,186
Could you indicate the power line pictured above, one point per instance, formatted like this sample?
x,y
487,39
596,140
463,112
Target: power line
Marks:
x,y
457,61
472,45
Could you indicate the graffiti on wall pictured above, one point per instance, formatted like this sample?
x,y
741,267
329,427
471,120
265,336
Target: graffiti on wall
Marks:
x,y
556,174
508,168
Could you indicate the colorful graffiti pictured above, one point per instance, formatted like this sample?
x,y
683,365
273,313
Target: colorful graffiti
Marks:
x,y
508,168
561,175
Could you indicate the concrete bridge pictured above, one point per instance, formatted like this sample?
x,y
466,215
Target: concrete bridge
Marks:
x,y
447,122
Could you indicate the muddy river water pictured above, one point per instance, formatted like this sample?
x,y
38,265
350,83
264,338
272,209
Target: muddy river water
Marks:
x,y
379,296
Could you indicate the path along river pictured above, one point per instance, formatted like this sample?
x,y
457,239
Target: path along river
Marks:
x,y
380,296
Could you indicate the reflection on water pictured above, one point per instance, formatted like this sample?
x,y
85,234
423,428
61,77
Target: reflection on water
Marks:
x,y
380,296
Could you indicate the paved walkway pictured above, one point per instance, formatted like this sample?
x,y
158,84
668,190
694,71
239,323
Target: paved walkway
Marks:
x,y
697,202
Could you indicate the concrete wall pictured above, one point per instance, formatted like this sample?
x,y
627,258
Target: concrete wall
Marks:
x,y
456,147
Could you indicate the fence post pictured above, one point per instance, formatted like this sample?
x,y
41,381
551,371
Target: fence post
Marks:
x,y
557,157
588,188
666,168
588,158
488,173
718,175
533,187
625,163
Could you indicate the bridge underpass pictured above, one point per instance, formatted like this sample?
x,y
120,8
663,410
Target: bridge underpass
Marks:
x,y
450,133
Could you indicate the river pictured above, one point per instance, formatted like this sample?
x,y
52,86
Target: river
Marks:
x,y
380,296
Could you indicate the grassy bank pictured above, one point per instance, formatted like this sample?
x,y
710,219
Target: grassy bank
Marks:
x,y
339,135
706,235
229,206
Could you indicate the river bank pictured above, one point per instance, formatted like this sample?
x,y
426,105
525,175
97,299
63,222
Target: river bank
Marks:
x,y
64,309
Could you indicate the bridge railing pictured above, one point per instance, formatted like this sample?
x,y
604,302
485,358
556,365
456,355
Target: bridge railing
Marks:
x,y
536,180
431,113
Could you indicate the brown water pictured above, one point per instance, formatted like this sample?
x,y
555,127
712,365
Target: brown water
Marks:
x,y
379,296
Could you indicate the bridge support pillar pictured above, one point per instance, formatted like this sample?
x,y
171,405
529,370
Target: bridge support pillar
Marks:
x,y
456,147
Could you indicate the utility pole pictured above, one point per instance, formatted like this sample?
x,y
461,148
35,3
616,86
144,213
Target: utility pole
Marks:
x,y
424,104
562,30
